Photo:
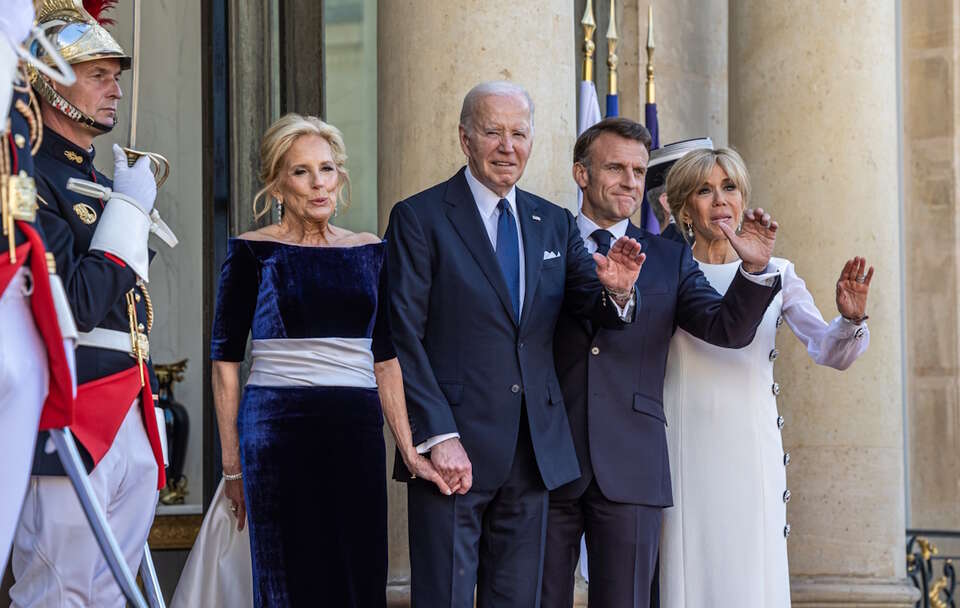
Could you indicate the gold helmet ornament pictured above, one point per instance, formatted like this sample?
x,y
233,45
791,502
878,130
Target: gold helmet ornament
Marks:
x,y
76,32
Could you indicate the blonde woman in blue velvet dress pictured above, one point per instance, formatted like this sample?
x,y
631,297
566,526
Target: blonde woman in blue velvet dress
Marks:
x,y
303,451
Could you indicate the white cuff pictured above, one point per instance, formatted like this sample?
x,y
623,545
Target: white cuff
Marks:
x,y
68,329
627,310
766,278
123,231
424,447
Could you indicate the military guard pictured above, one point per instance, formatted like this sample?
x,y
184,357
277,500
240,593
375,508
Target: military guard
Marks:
x,y
35,357
100,246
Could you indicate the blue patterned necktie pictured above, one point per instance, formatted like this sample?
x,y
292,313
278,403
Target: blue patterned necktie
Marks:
x,y
508,253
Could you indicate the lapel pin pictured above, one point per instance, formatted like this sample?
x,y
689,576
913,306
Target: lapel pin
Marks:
x,y
536,218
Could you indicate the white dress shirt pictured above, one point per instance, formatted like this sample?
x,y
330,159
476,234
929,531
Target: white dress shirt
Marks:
x,y
487,201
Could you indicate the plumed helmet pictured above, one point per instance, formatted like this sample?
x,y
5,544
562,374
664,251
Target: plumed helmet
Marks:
x,y
78,35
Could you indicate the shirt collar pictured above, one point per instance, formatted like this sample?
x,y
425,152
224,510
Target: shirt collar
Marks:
x,y
486,199
67,152
587,226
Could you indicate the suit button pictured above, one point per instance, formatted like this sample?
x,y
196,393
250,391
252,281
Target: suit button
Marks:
x,y
774,354
786,496
779,422
775,388
515,389
594,351
786,531
786,459
521,345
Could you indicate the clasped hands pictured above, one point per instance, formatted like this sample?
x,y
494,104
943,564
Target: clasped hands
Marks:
x,y
448,467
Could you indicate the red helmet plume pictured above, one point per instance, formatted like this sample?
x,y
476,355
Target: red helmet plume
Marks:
x,y
96,8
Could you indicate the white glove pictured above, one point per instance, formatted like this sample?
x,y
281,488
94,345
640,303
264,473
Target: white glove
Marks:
x,y
136,182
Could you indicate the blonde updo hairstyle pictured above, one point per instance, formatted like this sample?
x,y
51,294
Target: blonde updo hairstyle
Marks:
x,y
278,140
693,169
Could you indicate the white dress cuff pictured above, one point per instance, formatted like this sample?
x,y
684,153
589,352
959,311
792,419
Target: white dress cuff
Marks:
x,y
123,231
424,447
627,311
766,278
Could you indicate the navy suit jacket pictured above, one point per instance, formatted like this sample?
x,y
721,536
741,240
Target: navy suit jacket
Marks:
x,y
468,364
614,394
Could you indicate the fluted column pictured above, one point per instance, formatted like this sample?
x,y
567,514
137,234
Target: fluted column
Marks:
x,y
813,109
430,54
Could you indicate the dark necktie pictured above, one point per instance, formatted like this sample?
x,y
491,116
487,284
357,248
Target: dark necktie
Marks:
x,y
602,238
508,253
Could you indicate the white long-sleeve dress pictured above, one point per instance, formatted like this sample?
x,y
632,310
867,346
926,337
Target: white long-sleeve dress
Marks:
x,y
724,540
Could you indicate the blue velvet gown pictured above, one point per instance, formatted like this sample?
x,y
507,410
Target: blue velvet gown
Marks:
x,y
311,438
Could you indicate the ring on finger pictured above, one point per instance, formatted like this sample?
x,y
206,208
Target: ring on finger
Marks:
x,y
861,279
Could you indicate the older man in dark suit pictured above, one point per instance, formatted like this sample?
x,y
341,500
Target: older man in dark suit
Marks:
x,y
612,381
479,272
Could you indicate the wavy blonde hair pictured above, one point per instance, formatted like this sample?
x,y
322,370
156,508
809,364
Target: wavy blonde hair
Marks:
x,y
278,140
693,169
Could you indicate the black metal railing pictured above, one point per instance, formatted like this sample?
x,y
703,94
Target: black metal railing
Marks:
x,y
933,574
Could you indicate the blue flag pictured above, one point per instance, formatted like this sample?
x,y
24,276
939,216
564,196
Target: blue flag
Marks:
x,y
648,220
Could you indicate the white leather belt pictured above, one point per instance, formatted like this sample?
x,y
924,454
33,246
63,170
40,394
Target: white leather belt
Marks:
x,y
109,339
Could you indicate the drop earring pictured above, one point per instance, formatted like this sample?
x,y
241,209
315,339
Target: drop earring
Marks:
x,y
690,230
279,212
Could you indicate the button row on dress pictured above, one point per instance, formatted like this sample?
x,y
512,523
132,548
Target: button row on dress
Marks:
x,y
779,320
775,388
786,496
786,531
786,459
780,422
774,354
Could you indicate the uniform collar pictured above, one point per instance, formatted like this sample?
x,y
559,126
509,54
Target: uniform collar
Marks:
x,y
67,152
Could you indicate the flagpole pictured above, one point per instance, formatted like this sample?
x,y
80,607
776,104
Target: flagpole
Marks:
x,y
648,218
589,27
613,108
651,93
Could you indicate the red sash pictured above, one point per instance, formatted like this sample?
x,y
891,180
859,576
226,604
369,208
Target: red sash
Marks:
x,y
58,407
102,404
8,270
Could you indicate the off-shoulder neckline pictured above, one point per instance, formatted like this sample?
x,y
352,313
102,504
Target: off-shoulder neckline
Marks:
x,y
273,242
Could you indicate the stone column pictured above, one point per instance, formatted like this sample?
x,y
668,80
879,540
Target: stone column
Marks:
x,y
430,54
813,110
931,159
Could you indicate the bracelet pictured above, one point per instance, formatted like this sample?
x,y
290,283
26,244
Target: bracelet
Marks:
x,y
618,295
855,321
235,477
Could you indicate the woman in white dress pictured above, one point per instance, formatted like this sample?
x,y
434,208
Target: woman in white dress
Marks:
x,y
724,540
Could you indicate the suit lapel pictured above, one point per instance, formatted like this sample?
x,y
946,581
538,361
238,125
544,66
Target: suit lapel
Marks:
x,y
465,217
532,232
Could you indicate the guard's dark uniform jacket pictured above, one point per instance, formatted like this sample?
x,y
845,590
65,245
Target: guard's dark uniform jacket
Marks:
x,y
30,252
97,284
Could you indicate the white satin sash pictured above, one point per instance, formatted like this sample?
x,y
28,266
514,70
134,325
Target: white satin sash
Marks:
x,y
313,362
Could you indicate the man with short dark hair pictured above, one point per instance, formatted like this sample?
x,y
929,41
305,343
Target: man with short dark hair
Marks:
x,y
612,381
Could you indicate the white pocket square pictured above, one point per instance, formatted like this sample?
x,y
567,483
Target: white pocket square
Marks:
x,y
549,255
